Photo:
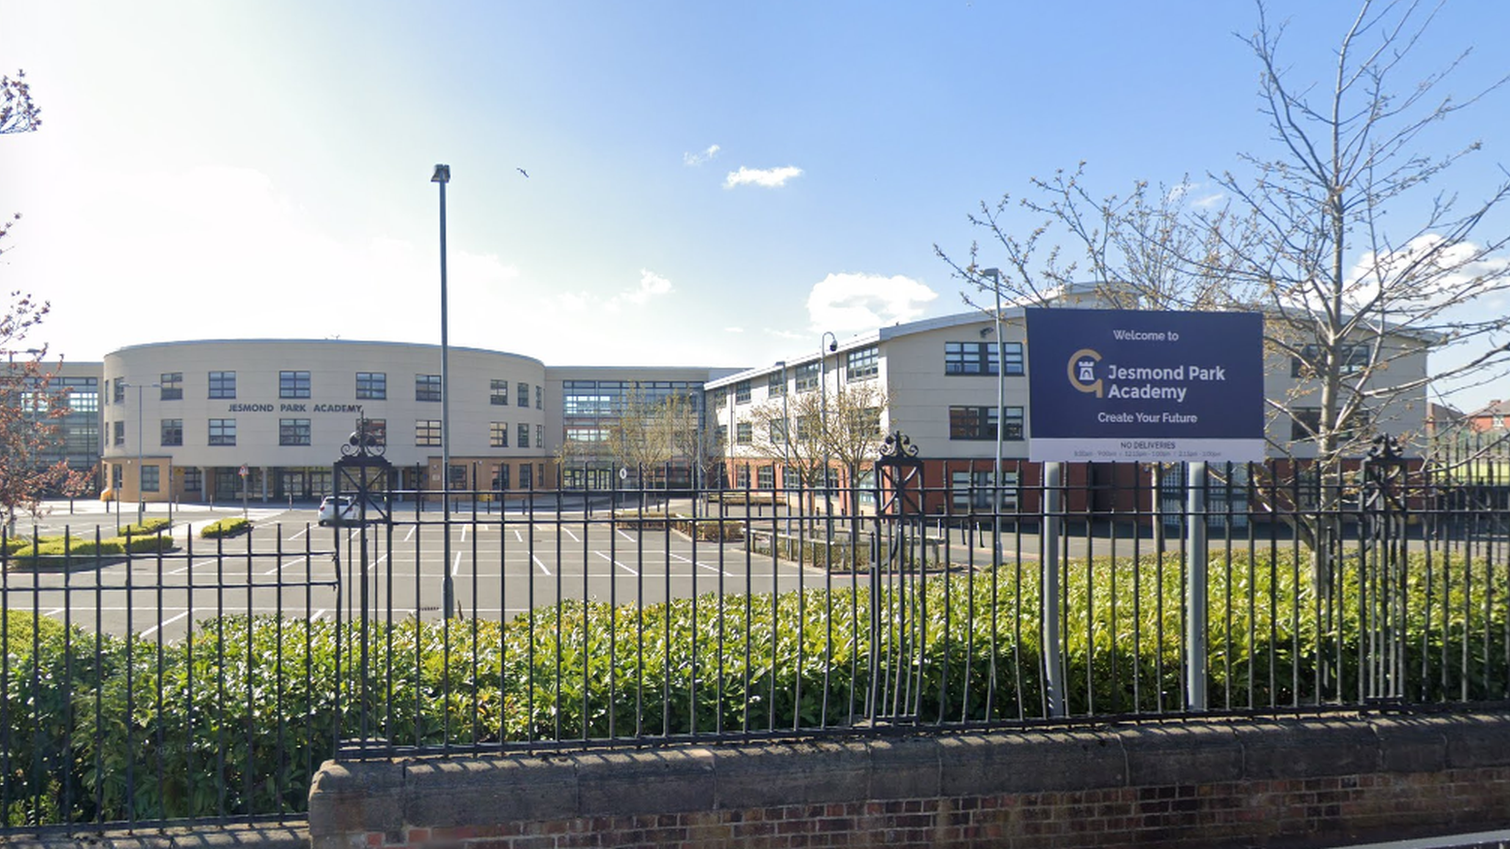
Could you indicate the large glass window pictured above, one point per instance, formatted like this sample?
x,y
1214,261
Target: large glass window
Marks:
x,y
498,393
118,395
539,397
775,382
969,358
171,384
972,490
862,363
376,430
193,480
222,384
83,400
742,392
427,433
1351,360
150,481
118,433
744,433
172,432
526,476
372,385
293,431
523,397
1012,352
539,436
222,431
807,376
980,423
427,387
498,434
293,384
524,435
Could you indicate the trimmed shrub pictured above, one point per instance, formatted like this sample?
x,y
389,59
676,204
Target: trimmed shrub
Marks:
x,y
226,528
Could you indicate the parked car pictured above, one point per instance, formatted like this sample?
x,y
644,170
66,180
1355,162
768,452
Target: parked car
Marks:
x,y
348,511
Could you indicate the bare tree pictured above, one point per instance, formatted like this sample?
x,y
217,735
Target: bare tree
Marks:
x,y
810,432
1335,232
18,114
1326,234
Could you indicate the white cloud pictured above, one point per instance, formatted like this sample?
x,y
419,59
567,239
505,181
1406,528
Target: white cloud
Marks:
x,y
734,330
695,159
652,285
1425,272
769,178
857,302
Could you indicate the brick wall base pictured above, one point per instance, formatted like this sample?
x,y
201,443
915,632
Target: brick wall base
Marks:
x,y
1300,783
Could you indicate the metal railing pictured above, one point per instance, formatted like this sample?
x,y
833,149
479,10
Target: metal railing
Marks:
x,y
208,680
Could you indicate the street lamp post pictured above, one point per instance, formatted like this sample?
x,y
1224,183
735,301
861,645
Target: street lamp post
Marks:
x,y
141,494
823,434
786,437
442,176
1001,410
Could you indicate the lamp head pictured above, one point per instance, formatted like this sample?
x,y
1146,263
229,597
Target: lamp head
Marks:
x,y
442,174
833,346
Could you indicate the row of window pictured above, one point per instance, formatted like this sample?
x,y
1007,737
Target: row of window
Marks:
x,y
427,432
370,386
960,358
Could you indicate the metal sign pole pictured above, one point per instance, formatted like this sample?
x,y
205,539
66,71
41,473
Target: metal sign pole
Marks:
x,y
1053,647
1196,561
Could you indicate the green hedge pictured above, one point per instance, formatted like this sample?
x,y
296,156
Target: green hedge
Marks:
x,y
226,528
265,690
63,551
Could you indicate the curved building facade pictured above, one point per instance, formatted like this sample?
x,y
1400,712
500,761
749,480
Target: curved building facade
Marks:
x,y
265,419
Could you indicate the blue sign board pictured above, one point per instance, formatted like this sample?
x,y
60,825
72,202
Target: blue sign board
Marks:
x,y
1107,385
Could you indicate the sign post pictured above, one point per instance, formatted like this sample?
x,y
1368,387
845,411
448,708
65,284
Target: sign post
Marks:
x,y
243,473
1153,387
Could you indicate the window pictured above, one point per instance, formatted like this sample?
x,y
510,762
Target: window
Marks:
x,y
807,428
777,427
863,363
526,476
524,435
522,395
498,434
293,384
193,479
972,423
118,431
498,393
742,392
972,490
539,436
1351,359
116,475
149,478
1305,422
293,431
222,431
1012,423
723,434
427,433
865,422
427,387
969,358
376,430
222,384
586,434
501,477
372,385
717,399
172,432
171,384
775,383
459,476
83,400
539,397
1012,352
765,477
744,433
807,376
118,394
742,477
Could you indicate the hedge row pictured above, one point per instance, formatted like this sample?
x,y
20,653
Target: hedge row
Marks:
x,y
235,718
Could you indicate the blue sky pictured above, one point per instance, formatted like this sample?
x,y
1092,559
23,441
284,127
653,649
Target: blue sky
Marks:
x,y
261,169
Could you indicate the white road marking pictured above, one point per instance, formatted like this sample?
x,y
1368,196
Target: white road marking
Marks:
x,y
616,563
539,563
150,631
281,566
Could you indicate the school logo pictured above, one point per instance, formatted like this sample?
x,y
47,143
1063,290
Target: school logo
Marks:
x,y
1082,371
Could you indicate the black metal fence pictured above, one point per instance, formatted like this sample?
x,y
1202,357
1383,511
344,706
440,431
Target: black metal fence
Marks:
x,y
195,679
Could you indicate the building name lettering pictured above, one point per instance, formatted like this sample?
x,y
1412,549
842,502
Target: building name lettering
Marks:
x,y
295,408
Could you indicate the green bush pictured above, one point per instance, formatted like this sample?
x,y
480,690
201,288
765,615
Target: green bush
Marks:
x,y
147,526
236,717
226,528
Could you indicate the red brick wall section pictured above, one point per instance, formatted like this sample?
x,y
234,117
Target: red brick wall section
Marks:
x,y
1289,784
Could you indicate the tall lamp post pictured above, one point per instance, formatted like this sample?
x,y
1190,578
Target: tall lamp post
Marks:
x,y
786,429
823,433
442,176
141,495
1001,410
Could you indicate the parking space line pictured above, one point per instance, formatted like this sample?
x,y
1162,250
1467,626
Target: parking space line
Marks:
x,y
541,564
568,531
281,566
456,564
164,623
616,563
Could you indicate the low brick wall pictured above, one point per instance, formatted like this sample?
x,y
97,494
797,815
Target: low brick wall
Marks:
x,y
1300,783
